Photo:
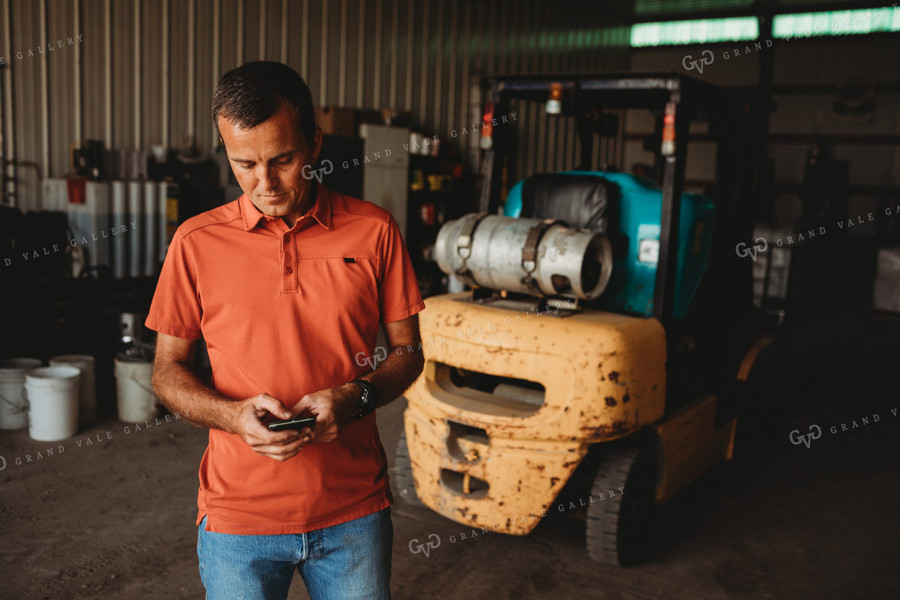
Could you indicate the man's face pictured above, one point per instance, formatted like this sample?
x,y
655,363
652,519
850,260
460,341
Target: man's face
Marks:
x,y
268,162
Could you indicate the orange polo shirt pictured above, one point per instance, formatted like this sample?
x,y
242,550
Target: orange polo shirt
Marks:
x,y
286,312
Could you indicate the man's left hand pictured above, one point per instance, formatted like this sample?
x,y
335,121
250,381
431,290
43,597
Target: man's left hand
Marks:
x,y
333,408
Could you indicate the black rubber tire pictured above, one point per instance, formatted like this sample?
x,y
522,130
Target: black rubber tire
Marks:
x,y
617,527
402,473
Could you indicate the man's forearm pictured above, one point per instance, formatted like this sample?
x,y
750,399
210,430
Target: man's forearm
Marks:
x,y
182,392
396,373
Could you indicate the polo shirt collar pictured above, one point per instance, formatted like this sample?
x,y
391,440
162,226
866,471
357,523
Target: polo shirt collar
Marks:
x,y
321,210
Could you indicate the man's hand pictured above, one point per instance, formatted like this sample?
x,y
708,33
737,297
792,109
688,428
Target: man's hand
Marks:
x,y
333,409
247,423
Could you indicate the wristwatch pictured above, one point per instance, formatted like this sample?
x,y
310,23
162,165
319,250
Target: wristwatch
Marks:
x,y
369,398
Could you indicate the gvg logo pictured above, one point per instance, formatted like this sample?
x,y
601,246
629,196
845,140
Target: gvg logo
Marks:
x,y
690,64
815,432
326,169
380,355
416,547
760,246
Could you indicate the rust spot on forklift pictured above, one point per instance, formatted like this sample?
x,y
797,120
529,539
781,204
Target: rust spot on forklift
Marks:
x,y
615,429
614,376
610,401
459,320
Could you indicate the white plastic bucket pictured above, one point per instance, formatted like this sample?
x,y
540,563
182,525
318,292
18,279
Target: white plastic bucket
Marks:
x,y
87,391
134,387
13,406
52,402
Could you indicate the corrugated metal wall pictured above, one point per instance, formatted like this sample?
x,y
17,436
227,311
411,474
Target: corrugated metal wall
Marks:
x,y
142,72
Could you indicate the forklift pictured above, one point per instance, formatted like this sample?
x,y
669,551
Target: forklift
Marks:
x,y
601,352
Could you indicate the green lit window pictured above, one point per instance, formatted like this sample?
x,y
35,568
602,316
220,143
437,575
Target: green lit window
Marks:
x,y
838,22
694,32
710,31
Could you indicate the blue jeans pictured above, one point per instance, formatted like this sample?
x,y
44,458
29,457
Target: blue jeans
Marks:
x,y
350,561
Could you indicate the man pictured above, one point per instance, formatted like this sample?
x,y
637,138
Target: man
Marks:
x,y
286,284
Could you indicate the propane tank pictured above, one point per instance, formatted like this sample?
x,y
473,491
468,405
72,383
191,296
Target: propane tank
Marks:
x,y
531,256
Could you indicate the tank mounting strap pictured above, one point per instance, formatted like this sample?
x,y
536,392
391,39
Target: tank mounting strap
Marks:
x,y
464,240
464,246
529,251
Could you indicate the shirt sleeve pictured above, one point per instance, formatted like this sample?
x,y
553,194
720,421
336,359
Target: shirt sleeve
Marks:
x,y
176,308
399,295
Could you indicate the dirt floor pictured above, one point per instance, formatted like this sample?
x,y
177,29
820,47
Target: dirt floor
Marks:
x,y
110,513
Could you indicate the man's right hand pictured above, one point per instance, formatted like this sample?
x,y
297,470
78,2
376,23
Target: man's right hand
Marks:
x,y
247,423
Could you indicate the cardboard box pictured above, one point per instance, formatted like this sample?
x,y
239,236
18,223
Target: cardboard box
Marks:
x,y
887,280
336,120
386,116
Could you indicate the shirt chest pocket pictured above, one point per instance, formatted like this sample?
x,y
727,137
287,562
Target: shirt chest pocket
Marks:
x,y
347,284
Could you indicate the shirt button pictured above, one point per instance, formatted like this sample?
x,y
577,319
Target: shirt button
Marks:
x,y
287,239
289,270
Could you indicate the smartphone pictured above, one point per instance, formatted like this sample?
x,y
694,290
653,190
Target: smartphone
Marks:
x,y
296,424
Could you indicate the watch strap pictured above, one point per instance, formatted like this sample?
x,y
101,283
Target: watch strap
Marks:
x,y
369,398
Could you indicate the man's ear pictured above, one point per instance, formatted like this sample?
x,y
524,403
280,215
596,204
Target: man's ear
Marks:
x,y
316,145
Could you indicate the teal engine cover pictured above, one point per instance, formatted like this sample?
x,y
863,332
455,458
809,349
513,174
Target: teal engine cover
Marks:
x,y
635,238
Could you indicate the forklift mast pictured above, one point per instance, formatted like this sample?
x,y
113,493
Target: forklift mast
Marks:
x,y
678,99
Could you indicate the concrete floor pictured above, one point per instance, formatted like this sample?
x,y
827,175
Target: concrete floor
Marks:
x,y
113,518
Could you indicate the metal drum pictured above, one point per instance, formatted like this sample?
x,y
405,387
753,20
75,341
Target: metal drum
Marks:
x,y
531,256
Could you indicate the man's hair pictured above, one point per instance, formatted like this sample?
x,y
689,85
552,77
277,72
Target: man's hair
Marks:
x,y
253,92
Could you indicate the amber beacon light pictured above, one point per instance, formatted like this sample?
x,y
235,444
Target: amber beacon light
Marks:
x,y
554,104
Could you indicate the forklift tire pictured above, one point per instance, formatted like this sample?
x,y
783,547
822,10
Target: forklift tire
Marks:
x,y
402,473
617,526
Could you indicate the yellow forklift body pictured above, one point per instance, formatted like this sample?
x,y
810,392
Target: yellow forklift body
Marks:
x,y
498,459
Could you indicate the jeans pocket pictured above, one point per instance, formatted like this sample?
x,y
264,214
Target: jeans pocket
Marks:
x,y
200,529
